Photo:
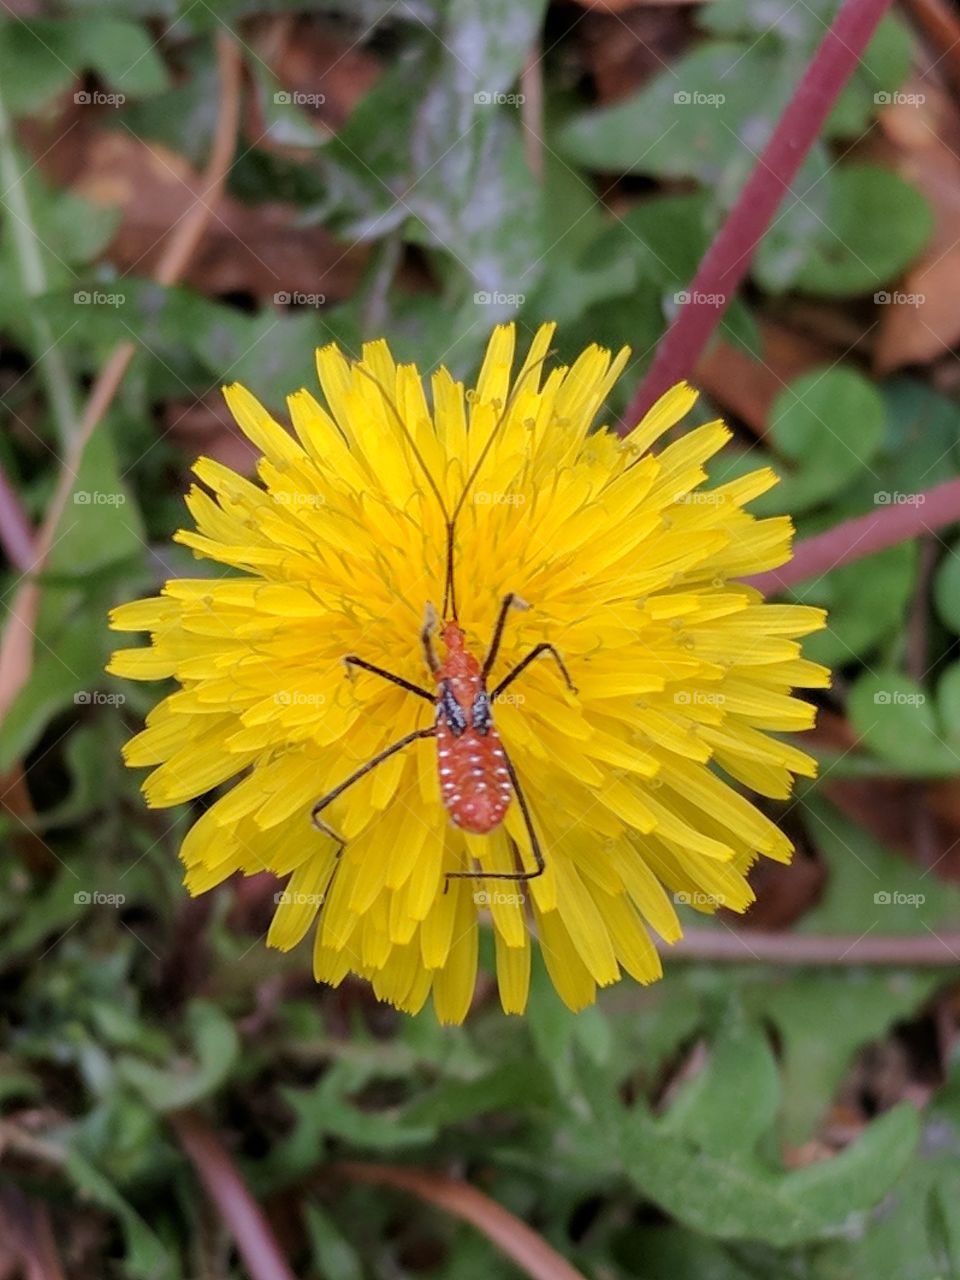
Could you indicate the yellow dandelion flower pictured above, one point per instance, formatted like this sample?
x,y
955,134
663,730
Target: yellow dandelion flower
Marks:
x,y
573,796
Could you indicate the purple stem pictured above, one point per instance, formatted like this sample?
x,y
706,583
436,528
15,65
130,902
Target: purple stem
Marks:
x,y
16,537
865,535
727,261
244,1219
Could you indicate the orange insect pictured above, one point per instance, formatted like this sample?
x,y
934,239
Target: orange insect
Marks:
x,y
477,779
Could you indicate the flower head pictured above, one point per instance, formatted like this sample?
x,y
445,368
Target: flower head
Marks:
x,y
658,682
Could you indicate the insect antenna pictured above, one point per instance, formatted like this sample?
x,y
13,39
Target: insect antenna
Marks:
x,y
450,518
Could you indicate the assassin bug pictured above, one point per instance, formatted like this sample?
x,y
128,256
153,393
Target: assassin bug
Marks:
x,y
477,778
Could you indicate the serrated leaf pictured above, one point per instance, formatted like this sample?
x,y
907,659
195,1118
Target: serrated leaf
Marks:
x,y
735,1197
214,1046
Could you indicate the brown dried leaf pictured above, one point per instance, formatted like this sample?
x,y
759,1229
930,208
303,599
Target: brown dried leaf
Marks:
x,y
747,387
923,321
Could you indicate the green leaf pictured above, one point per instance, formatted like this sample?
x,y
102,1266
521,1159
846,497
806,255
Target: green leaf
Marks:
x,y
214,1045
451,167
735,1197
40,58
333,1256
557,1033
454,1101
870,887
146,1258
914,1235
946,588
865,604
665,1251
733,1099
857,228
830,424
862,1007
691,120
894,717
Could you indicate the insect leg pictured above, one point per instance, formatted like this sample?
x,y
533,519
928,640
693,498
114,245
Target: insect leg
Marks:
x,y
364,769
531,833
426,639
352,661
510,601
535,652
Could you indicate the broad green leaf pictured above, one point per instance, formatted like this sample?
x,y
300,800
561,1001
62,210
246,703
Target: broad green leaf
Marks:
x,y
894,717
665,1251
869,887
734,1197
882,68
855,230
865,604
732,1100
41,58
691,120
946,588
830,424
915,1234
822,1020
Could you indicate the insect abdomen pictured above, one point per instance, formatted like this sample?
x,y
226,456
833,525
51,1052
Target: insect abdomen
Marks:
x,y
474,781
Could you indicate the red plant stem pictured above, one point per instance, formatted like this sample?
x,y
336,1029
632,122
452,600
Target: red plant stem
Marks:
x,y
727,261
521,1244
749,946
864,535
16,536
242,1215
